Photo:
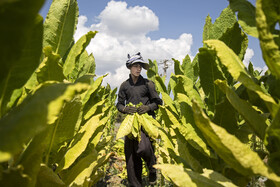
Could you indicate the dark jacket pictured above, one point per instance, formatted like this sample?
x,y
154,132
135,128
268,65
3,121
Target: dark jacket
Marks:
x,y
143,91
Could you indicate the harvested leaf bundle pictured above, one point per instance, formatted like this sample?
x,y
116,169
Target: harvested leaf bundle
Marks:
x,y
132,125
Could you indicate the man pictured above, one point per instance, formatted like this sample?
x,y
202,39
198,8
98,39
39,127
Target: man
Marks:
x,y
134,90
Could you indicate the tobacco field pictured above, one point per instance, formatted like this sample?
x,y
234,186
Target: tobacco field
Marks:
x,y
219,124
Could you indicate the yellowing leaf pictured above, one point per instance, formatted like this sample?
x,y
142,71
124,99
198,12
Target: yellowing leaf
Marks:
x,y
236,154
80,142
125,127
237,70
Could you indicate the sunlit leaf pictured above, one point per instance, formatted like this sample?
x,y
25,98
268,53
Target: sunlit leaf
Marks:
x,y
236,154
33,116
60,25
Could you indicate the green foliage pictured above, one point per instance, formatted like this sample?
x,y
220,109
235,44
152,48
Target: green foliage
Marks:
x,y
219,125
56,120
226,120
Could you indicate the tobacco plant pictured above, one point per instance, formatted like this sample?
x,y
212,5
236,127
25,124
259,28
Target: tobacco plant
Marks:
x,y
56,118
220,119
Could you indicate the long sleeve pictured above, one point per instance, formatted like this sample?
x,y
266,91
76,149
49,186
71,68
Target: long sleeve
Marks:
x,y
121,98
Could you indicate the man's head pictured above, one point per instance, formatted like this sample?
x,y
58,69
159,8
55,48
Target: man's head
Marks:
x,y
137,58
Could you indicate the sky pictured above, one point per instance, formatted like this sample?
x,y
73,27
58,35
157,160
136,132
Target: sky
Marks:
x,y
159,29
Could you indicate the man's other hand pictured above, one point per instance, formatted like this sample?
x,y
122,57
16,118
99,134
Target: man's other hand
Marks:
x,y
130,110
143,109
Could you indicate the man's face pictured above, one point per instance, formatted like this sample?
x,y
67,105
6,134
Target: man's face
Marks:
x,y
135,69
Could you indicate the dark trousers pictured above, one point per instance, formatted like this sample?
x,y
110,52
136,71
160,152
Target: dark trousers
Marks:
x,y
134,151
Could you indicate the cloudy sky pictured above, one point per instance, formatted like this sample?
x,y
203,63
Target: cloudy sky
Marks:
x,y
159,29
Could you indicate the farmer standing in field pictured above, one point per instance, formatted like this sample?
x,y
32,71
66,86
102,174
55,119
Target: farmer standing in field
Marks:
x,y
134,90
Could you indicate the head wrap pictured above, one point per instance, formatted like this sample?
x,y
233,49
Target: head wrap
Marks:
x,y
137,58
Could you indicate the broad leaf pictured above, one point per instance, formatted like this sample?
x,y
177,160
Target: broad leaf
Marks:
x,y
46,177
267,15
20,56
256,121
14,176
32,156
177,67
246,16
180,176
185,86
236,154
209,71
85,167
60,25
237,70
148,126
79,143
125,127
33,115
50,69
226,20
187,67
64,128
72,63
160,84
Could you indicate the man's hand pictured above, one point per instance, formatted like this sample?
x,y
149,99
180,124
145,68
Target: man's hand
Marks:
x,y
130,109
143,109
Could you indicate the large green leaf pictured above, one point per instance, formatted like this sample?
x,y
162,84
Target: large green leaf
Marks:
x,y
207,28
94,108
273,143
153,70
64,128
148,126
93,88
125,127
169,102
32,156
136,126
72,63
87,166
182,177
14,176
236,39
177,67
50,69
79,142
46,178
237,70
160,84
236,154
86,64
187,67
256,121
33,115
246,16
20,57
185,152
60,25
190,133
226,20
267,15
185,86
226,117
18,20
209,71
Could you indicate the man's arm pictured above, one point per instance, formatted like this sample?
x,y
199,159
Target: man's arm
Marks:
x,y
154,97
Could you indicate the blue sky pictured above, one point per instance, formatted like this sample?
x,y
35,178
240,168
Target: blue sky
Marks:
x,y
167,28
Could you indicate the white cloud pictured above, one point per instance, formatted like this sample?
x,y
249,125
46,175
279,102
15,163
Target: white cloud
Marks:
x,y
248,56
123,30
